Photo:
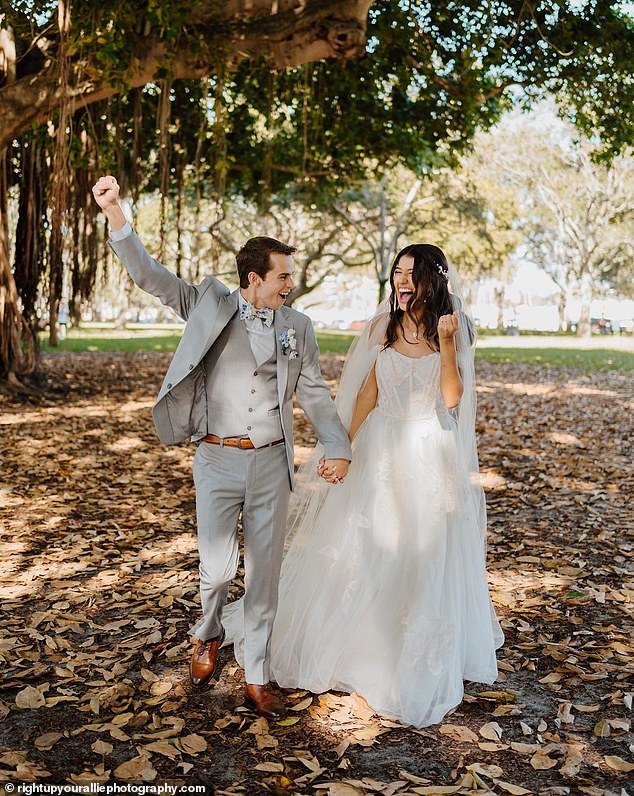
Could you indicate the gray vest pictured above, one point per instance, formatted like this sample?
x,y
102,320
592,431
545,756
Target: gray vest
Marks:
x,y
241,395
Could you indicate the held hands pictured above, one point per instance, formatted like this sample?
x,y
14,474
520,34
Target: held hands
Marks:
x,y
333,470
106,192
447,327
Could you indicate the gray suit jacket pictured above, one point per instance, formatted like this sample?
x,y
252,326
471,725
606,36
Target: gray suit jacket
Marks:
x,y
207,308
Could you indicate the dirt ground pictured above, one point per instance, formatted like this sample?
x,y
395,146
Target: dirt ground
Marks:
x,y
99,586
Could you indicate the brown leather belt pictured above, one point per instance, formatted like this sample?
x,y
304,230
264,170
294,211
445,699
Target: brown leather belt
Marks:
x,y
244,443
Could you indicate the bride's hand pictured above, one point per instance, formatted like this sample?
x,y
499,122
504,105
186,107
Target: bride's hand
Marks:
x,y
447,326
333,470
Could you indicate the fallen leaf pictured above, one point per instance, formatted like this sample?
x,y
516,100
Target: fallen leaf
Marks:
x,y
288,722
138,768
48,740
102,748
458,732
602,729
618,764
305,703
515,790
492,731
30,698
273,768
164,748
193,744
343,789
541,761
573,761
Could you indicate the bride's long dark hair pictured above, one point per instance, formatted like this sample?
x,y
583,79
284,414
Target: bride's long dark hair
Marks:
x,y
430,302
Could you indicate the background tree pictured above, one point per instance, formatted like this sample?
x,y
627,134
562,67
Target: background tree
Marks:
x,y
59,65
460,209
578,214
214,102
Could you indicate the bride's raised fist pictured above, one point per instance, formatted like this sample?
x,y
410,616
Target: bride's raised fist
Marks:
x,y
447,326
106,192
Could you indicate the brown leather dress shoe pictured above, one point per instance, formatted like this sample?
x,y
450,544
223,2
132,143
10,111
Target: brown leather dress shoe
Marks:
x,y
265,701
203,662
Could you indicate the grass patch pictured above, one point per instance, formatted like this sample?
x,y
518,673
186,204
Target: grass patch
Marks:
x,y
92,340
331,342
591,359
77,344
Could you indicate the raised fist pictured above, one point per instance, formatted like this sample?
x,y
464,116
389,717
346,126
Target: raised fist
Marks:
x,y
447,326
106,192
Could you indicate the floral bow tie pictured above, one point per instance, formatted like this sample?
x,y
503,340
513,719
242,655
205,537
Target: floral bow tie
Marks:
x,y
248,312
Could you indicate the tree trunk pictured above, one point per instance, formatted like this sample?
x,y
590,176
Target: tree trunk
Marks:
x,y
585,294
53,337
10,315
500,296
561,307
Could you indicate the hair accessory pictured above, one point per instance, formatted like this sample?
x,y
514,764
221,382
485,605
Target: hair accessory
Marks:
x,y
441,270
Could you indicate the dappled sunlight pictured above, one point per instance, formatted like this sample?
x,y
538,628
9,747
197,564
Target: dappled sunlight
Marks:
x,y
83,409
170,551
570,483
99,574
572,388
489,479
126,444
562,438
512,588
522,388
9,500
32,578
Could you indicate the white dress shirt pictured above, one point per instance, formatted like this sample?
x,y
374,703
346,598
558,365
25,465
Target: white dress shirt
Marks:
x,y
261,337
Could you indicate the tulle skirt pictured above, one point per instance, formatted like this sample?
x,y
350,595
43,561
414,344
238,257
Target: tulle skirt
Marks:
x,y
384,591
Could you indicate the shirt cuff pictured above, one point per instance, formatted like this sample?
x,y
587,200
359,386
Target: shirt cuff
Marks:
x,y
120,234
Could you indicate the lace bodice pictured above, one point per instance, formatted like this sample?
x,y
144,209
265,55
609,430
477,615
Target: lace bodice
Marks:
x,y
409,388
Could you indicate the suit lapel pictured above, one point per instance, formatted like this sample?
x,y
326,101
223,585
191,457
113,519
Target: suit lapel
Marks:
x,y
281,325
227,308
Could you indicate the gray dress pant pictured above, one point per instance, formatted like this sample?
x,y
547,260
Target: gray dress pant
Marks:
x,y
230,480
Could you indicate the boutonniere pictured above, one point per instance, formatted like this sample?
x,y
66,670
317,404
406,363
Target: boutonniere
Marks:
x,y
289,343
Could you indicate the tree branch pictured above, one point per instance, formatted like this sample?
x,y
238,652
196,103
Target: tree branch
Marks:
x,y
306,31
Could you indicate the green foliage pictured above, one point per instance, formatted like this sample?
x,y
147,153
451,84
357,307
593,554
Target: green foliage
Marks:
x,y
432,76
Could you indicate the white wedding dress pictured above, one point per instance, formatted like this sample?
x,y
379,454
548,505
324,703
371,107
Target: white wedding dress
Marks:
x,y
385,592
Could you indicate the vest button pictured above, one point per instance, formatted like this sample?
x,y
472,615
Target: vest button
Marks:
x,y
252,391
169,386
248,428
191,367
255,373
250,409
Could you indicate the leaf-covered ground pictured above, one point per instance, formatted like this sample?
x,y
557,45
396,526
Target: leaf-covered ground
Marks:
x,y
99,586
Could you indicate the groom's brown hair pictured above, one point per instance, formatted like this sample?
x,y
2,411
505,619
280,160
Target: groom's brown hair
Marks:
x,y
254,256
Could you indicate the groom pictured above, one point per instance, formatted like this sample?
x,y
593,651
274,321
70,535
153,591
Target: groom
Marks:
x,y
229,388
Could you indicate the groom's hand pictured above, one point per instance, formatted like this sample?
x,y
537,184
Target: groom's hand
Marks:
x,y
106,193
333,470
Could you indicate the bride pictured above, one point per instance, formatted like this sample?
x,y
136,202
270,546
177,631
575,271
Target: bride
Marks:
x,y
383,589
